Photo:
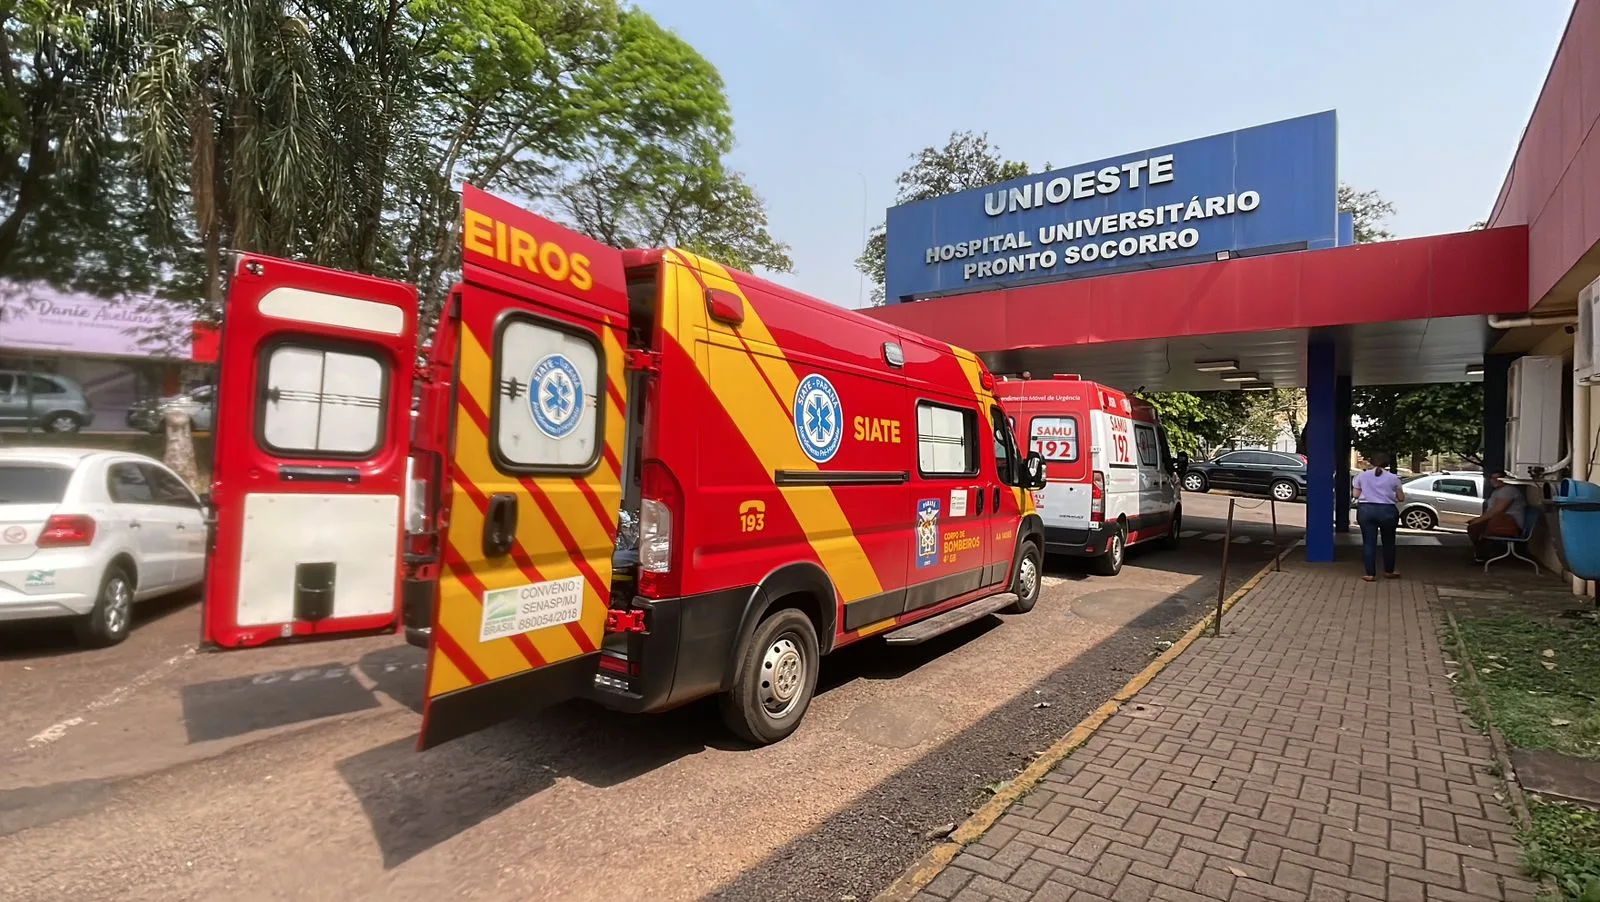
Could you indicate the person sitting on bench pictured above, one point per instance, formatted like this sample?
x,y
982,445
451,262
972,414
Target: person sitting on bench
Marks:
x,y
1502,516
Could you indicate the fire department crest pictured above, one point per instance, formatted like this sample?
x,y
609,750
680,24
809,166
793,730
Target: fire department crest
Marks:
x,y
818,418
555,396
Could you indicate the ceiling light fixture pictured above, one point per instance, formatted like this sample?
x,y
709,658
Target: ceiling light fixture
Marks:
x,y
1257,386
1474,369
1216,366
1241,377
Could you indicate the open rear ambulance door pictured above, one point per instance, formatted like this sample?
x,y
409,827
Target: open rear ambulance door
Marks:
x,y
540,326
311,442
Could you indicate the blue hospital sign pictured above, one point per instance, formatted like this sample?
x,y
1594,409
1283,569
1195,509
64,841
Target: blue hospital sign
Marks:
x,y
1272,187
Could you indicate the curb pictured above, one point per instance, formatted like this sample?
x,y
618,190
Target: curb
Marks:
x,y
1502,749
925,869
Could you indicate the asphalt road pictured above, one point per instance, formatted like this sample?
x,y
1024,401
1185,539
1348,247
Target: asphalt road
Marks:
x,y
148,771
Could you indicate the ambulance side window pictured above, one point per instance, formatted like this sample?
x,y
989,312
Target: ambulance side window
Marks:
x,y
947,440
1005,447
1144,440
321,401
547,382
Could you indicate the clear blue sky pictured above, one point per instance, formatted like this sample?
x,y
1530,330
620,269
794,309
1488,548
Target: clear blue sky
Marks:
x,y
831,97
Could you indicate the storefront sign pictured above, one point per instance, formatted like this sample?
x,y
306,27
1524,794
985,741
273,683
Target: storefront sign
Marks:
x,y
1269,187
36,317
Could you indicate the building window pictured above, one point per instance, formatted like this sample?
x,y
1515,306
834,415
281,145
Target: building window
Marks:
x,y
322,402
549,380
947,440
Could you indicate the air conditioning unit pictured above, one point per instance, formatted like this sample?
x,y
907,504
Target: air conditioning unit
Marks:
x,y
1533,420
1586,342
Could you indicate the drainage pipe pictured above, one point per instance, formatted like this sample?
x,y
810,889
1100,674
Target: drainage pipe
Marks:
x,y
1533,319
1581,453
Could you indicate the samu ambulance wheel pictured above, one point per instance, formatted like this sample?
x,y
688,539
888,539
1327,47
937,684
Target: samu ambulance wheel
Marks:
x,y
1170,540
774,680
1109,563
1027,581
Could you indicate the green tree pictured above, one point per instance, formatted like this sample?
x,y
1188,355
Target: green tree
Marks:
x,y
1414,421
648,170
58,58
340,132
1370,210
1200,422
967,160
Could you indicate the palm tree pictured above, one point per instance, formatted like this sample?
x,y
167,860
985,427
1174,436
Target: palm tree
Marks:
x,y
226,107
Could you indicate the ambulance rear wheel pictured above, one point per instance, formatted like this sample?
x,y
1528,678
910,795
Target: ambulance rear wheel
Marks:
x,y
1109,563
1170,540
1027,581
774,680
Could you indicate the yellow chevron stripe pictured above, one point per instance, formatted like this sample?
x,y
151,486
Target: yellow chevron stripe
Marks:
x,y
538,537
763,420
969,365
616,417
548,553
461,615
445,676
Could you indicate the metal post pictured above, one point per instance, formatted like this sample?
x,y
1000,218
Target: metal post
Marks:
x,y
1275,554
1222,580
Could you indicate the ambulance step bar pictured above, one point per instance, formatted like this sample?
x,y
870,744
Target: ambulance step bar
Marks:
x,y
923,630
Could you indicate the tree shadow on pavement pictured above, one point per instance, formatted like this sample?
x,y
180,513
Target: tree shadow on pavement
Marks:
x,y
414,801
34,639
875,659
873,837
222,709
398,672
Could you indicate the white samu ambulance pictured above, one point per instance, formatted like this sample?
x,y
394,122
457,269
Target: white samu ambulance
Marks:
x,y
1112,482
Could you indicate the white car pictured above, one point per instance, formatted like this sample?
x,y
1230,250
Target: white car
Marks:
x,y
86,534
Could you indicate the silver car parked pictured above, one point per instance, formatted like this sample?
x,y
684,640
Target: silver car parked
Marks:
x,y
1433,494
45,400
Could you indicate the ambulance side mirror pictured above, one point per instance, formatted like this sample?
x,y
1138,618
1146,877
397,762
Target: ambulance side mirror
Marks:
x,y
1182,463
1033,471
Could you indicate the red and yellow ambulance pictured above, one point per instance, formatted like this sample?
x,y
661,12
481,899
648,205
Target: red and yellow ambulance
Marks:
x,y
637,476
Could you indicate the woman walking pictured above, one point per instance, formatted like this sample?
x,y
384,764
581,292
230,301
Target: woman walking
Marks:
x,y
1378,496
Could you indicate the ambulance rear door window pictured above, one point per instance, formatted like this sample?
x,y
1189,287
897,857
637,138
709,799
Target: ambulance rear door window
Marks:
x,y
1055,438
548,381
322,400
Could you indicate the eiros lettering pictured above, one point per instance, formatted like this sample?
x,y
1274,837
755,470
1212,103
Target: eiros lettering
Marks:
x,y
483,234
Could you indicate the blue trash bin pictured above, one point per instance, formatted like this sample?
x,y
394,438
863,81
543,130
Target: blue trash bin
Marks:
x,y
1577,527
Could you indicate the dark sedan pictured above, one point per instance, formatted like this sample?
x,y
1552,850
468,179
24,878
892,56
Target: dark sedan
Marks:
x,y
1272,473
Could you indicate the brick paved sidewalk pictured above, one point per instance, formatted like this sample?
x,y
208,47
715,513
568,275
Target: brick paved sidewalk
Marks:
x,y
1316,751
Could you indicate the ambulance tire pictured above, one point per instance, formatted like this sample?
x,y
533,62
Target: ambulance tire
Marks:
x,y
1028,579
774,679
1170,540
1109,563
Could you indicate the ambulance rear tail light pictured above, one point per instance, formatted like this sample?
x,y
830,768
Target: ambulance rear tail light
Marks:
x,y
416,499
659,547
1097,498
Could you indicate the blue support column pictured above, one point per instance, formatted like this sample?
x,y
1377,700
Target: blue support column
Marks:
x,y
1496,368
1322,413
1343,390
